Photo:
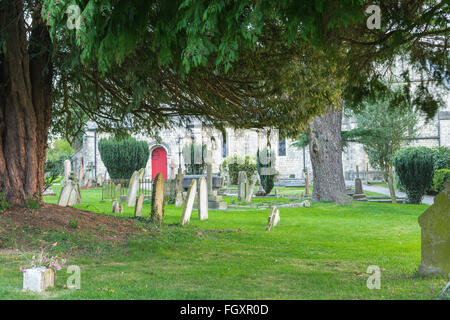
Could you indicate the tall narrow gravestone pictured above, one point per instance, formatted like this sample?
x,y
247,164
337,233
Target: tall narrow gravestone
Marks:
x,y
133,188
202,199
67,170
179,195
157,214
139,205
242,182
189,203
435,225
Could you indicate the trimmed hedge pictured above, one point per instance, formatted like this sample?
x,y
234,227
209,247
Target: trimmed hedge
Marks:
x,y
414,167
440,177
123,157
266,168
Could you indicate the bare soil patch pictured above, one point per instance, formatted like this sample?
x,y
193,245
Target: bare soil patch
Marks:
x,y
53,217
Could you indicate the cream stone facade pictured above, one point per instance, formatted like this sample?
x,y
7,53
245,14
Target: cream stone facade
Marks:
x,y
290,161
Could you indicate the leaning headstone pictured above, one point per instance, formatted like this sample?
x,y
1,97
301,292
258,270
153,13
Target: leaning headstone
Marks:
x,y
435,225
249,195
242,181
189,203
134,187
70,194
359,193
139,205
274,218
202,199
117,207
157,213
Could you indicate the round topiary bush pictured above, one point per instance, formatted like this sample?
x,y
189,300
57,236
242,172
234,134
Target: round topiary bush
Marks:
x,y
414,167
123,157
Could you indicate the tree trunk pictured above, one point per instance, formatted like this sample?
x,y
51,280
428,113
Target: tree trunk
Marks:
x,y
390,180
326,157
25,103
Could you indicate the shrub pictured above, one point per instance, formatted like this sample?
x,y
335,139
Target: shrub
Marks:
x,y
233,164
123,157
440,177
265,162
441,158
414,166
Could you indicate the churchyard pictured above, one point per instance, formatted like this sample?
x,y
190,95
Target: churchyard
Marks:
x,y
318,252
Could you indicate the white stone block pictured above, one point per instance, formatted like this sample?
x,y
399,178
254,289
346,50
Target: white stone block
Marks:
x,y
38,279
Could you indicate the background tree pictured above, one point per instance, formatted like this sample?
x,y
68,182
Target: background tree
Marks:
x,y
382,130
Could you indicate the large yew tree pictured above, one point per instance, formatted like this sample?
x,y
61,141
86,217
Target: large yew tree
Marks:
x,y
25,99
139,63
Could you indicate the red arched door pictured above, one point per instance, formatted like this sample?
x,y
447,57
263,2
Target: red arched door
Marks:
x,y
159,162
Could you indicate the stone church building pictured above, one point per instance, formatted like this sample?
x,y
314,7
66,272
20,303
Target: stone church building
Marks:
x,y
166,152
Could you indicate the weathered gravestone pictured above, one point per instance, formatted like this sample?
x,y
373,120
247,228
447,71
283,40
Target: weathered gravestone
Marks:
x,y
100,180
242,181
249,195
67,170
134,187
189,203
202,199
359,193
139,205
274,218
70,194
157,214
179,195
117,207
435,224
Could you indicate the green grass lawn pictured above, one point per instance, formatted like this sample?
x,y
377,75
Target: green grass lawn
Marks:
x,y
321,252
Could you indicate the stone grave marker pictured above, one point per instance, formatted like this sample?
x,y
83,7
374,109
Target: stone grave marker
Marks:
x,y
179,195
202,199
435,243
117,207
67,170
249,195
242,181
359,193
70,195
133,187
189,203
139,205
157,214
274,218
